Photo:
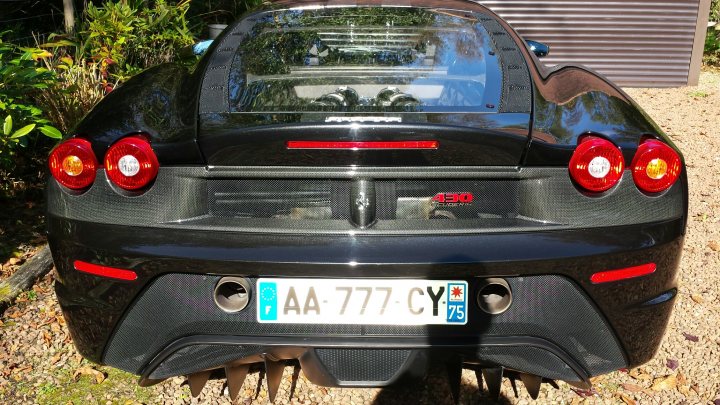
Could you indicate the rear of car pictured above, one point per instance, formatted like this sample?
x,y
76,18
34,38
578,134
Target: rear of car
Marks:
x,y
369,190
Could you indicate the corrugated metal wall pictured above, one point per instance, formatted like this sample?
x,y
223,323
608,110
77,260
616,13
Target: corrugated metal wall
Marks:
x,y
634,43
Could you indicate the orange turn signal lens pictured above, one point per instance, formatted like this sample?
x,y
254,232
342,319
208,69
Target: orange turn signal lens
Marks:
x,y
656,169
72,165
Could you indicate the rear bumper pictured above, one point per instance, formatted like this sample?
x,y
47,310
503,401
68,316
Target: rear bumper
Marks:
x,y
538,332
563,327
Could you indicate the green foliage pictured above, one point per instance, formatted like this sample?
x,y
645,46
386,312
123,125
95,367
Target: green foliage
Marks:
x,y
80,85
126,37
712,40
46,91
698,94
115,41
22,77
204,12
68,388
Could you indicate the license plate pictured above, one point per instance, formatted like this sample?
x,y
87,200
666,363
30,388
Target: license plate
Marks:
x,y
362,301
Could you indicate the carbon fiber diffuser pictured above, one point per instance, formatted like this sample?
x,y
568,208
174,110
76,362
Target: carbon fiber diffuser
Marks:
x,y
274,370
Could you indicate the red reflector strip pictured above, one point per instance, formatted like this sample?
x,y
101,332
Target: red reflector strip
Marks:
x,y
622,274
356,145
104,271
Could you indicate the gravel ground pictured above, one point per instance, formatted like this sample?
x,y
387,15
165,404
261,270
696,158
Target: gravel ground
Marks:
x,y
38,363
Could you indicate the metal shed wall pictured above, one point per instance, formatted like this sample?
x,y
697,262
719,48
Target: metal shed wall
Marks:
x,y
634,43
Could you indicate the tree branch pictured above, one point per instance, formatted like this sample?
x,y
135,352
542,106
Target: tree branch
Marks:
x,y
24,278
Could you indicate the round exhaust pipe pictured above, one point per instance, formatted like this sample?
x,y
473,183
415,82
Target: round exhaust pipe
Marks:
x,y
494,296
232,294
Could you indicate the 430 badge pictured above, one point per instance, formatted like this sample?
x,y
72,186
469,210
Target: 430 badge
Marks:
x,y
452,199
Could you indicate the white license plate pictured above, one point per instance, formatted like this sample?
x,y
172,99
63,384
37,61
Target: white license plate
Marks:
x,y
362,301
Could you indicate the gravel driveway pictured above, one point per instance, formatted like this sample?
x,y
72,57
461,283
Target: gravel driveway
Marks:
x,y
38,363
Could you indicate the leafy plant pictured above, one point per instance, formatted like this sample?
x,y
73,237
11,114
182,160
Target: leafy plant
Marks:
x,y
206,12
115,41
698,94
128,36
80,84
712,40
21,78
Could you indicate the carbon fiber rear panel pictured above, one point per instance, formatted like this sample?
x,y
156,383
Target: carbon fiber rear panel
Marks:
x,y
180,305
363,365
395,199
517,87
530,360
318,201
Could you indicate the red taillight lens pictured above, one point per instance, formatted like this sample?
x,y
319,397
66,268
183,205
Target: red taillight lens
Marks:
x,y
104,271
131,163
655,166
357,145
597,164
623,274
73,164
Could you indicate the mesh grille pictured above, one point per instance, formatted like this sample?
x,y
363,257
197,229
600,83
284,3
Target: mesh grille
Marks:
x,y
277,199
517,90
179,305
363,365
311,199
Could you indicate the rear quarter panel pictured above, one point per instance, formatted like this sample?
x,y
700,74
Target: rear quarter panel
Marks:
x,y
161,102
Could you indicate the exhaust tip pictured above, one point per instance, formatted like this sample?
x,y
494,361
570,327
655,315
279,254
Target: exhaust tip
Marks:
x,y
494,296
232,294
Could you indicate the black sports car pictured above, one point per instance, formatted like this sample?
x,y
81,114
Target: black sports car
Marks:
x,y
369,187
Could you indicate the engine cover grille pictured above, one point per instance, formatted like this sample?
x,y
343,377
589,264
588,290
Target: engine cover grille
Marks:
x,y
316,199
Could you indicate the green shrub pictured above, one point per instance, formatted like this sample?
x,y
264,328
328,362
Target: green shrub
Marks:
x,y
56,84
21,79
203,12
128,36
712,40
80,85
115,41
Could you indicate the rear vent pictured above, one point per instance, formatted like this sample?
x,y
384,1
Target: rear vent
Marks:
x,y
363,365
393,200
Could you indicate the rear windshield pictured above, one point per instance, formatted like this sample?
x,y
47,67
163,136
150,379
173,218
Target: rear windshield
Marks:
x,y
365,59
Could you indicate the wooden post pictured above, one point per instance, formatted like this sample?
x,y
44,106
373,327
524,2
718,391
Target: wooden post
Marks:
x,y
701,28
69,10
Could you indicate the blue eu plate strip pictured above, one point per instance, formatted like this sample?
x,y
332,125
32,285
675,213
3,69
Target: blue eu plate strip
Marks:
x,y
267,310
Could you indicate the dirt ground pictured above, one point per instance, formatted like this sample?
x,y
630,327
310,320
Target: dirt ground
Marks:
x,y
38,363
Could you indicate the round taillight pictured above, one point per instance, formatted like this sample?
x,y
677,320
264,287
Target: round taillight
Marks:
x,y
130,163
73,164
597,164
655,167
